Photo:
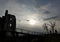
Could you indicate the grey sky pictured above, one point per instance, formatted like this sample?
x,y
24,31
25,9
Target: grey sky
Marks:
x,y
35,9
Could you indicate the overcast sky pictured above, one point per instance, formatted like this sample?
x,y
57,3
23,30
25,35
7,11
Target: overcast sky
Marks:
x,y
40,11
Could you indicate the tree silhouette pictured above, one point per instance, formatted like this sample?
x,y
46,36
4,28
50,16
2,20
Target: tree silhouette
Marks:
x,y
55,31
45,27
52,26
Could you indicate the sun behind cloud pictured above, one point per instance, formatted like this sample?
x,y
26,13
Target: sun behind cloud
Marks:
x,y
32,22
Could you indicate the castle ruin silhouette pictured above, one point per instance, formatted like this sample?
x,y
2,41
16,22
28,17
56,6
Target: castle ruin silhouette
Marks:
x,y
7,24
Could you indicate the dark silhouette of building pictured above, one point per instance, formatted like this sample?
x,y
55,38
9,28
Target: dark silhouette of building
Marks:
x,y
8,23
0,24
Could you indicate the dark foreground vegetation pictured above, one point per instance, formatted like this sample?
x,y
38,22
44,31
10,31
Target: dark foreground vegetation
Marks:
x,y
31,38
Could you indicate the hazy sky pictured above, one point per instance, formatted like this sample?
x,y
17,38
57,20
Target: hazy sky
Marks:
x,y
40,11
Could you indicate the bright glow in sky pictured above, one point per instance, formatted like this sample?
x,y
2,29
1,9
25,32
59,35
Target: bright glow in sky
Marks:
x,y
32,22
36,11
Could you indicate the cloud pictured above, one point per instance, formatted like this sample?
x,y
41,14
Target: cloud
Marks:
x,y
54,17
2,6
46,12
35,9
